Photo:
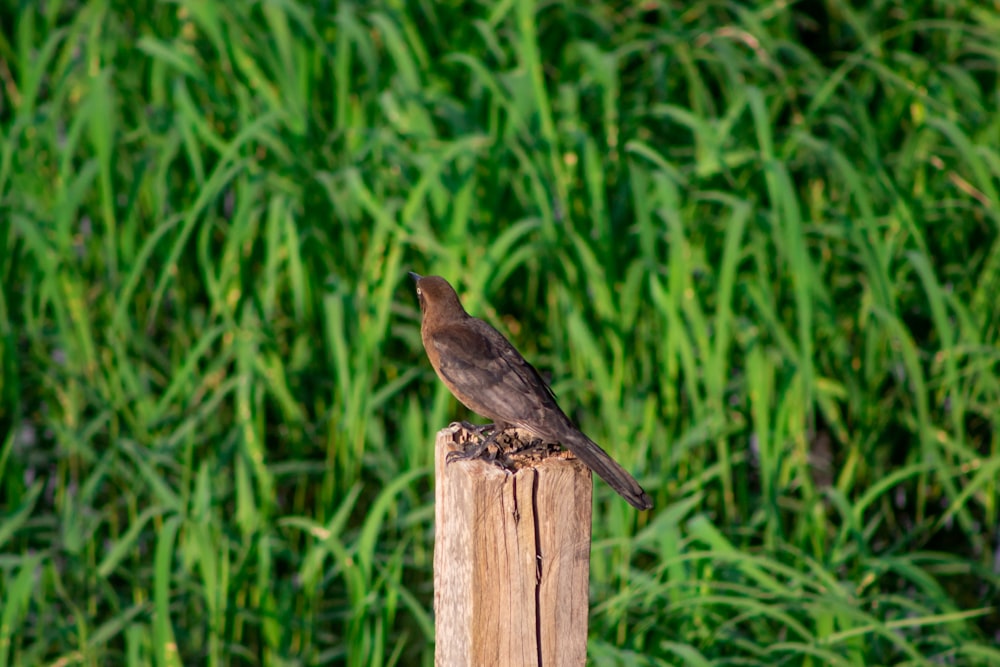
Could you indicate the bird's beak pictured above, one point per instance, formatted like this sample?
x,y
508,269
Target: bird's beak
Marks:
x,y
415,276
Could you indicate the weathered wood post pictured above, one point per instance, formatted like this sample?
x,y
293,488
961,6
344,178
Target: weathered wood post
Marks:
x,y
511,559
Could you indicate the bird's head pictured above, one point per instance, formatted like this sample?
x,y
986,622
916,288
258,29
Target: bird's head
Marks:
x,y
437,298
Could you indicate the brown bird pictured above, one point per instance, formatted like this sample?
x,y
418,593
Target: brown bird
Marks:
x,y
484,371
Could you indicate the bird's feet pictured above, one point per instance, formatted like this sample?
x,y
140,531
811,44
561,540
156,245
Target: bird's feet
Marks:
x,y
475,450
483,445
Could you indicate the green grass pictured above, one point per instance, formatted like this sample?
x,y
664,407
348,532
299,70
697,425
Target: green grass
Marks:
x,y
757,246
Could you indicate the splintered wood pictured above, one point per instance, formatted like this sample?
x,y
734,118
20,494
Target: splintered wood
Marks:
x,y
511,557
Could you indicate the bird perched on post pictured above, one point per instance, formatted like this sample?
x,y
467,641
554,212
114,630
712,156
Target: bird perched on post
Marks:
x,y
487,375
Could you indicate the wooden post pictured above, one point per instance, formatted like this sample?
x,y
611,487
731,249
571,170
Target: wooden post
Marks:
x,y
511,559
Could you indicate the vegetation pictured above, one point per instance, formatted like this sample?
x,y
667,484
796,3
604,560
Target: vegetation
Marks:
x,y
756,245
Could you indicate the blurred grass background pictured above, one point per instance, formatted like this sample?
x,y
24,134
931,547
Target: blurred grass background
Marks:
x,y
756,245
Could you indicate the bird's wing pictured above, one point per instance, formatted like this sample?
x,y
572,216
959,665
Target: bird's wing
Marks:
x,y
489,375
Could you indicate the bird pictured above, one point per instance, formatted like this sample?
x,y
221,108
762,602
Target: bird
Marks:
x,y
484,371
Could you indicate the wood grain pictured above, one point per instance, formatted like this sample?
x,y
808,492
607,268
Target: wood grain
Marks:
x,y
511,560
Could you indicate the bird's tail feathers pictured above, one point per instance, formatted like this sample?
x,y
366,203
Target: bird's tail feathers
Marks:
x,y
606,468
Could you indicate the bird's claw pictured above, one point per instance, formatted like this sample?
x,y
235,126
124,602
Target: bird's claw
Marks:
x,y
475,450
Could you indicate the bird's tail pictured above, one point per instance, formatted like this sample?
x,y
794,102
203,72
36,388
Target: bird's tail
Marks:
x,y
606,468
